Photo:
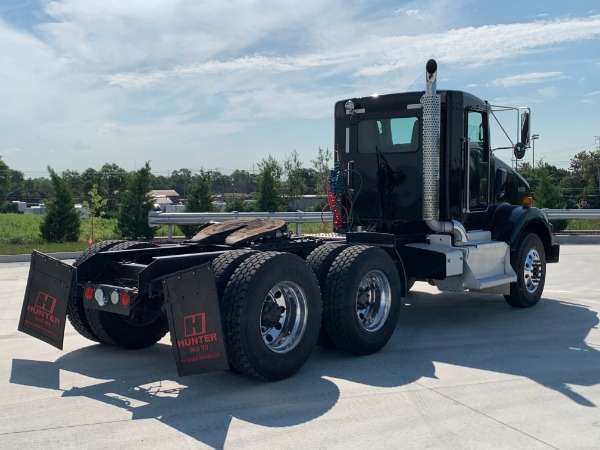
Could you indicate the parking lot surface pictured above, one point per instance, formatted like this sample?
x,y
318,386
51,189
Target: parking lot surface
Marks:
x,y
461,371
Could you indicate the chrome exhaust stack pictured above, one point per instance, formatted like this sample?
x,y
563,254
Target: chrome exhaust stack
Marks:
x,y
431,104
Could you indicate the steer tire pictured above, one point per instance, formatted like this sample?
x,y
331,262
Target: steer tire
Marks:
x,y
347,296
529,262
320,261
251,312
123,331
75,308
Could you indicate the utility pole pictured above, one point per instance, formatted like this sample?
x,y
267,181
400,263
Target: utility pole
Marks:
x,y
533,139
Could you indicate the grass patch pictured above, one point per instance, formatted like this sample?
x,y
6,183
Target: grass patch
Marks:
x,y
311,228
583,225
20,233
46,247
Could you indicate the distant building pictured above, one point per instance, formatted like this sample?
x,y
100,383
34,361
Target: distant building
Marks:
x,y
164,198
171,194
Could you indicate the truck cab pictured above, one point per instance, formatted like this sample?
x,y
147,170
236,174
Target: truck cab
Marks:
x,y
419,166
380,143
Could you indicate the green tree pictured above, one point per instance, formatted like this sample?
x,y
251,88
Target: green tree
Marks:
x,y
61,223
243,182
294,186
37,189
114,182
199,200
95,206
547,195
181,181
75,182
221,184
322,167
137,203
269,181
90,177
5,180
17,185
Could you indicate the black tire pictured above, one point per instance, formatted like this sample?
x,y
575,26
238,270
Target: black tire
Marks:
x,y
75,308
98,247
224,266
251,315
529,262
320,261
354,322
122,331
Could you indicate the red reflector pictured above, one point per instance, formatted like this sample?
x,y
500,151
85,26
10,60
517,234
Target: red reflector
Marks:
x,y
125,298
88,293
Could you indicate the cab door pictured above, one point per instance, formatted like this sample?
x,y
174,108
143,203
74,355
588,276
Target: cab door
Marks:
x,y
476,185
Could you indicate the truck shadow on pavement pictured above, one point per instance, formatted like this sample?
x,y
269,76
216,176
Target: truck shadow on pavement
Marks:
x,y
545,344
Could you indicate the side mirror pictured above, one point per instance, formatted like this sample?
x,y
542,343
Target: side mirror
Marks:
x,y
525,129
519,150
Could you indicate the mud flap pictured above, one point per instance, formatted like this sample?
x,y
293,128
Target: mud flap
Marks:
x,y
192,307
44,310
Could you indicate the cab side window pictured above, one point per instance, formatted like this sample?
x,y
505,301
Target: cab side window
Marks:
x,y
478,161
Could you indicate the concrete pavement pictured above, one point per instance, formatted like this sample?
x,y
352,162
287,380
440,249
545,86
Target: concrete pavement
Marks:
x,y
461,371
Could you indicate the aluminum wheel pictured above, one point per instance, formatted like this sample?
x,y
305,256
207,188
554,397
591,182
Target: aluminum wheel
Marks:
x,y
373,300
532,271
283,317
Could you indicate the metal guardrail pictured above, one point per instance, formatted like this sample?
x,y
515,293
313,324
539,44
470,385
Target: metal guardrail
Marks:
x,y
156,219
571,214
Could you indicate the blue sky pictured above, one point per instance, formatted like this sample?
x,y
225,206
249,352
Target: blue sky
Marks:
x,y
212,84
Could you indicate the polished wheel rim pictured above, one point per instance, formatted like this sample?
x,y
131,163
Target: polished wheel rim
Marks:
x,y
283,317
532,272
373,300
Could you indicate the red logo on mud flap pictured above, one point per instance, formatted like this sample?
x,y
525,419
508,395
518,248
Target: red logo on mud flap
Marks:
x,y
194,325
46,302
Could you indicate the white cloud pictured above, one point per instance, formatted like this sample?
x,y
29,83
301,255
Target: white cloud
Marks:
x,y
548,93
375,55
408,12
8,151
119,80
528,78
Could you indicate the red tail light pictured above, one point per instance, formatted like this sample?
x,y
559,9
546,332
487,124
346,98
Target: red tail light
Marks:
x,y
88,293
125,299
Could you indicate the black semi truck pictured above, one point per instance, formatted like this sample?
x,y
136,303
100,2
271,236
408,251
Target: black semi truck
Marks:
x,y
416,193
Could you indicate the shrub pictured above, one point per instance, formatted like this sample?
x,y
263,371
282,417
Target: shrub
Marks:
x,y
62,222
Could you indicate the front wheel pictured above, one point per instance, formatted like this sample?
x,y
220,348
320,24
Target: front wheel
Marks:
x,y
271,312
529,262
361,301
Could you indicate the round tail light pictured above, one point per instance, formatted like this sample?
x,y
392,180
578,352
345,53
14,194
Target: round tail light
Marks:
x,y
125,299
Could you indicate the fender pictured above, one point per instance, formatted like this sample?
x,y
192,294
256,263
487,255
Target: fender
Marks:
x,y
510,222
388,243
